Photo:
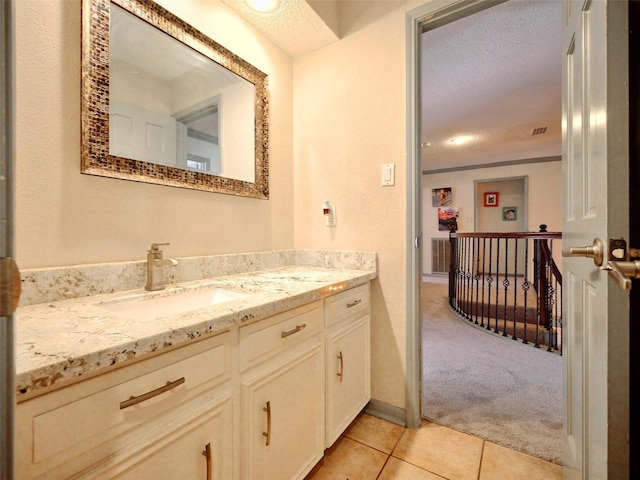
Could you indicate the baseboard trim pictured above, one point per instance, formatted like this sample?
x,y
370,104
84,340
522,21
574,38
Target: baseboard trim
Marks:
x,y
386,411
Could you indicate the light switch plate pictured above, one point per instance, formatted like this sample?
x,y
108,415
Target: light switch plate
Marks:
x,y
388,174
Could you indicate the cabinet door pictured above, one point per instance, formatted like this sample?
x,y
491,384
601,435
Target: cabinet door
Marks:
x,y
283,416
348,375
200,450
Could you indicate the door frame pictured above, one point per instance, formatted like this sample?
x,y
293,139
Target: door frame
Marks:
x,y
434,13
7,153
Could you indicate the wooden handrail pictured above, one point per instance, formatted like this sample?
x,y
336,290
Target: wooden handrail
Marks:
x,y
529,235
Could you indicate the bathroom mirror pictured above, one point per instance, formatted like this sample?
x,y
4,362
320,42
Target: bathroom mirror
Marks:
x,y
163,103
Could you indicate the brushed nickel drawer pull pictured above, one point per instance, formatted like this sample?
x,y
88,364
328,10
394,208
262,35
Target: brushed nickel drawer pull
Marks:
x,y
153,393
354,303
341,372
295,330
267,434
207,454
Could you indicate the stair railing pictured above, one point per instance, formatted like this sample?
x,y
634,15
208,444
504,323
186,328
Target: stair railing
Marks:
x,y
509,283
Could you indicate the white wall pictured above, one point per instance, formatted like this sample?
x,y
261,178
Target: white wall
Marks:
x,y
349,113
66,218
511,193
544,199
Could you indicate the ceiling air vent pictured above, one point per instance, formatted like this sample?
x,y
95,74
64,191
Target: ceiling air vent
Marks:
x,y
538,131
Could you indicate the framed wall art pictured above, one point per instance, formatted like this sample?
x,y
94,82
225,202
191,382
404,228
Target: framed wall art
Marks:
x,y
448,218
441,197
491,199
509,214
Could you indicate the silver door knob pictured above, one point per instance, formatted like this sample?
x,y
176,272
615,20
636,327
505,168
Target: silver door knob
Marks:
x,y
595,251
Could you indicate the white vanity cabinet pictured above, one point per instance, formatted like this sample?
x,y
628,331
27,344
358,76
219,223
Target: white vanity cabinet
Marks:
x,y
282,395
118,422
260,401
348,358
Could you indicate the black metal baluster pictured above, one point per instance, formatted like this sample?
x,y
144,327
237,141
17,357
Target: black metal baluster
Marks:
x,y
476,247
489,282
525,288
497,288
461,276
458,268
461,282
465,301
452,268
549,307
505,284
484,257
468,285
560,319
514,336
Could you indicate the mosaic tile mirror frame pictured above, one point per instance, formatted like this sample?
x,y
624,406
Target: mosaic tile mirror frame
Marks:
x,y
187,171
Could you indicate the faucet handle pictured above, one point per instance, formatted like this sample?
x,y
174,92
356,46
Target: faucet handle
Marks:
x,y
155,247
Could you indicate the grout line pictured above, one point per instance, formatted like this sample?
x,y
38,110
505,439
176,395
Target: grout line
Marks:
x,y
383,465
481,458
421,468
398,441
369,446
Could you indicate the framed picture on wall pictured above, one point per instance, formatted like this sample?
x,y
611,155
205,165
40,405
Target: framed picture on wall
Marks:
x,y
490,199
448,219
509,214
441,197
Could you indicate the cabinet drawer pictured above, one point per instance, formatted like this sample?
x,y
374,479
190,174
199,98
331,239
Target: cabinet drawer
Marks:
x,y
266,338
97,417
351,303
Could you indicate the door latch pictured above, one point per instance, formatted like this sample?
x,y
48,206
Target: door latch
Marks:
x,y
623,265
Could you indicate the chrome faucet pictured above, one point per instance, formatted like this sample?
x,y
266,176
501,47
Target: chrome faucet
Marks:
x,y
155,262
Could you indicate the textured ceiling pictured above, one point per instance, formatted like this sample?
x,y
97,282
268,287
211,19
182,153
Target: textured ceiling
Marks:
x,y
295,26
494,76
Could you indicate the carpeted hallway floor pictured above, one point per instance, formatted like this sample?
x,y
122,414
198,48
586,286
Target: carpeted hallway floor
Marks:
x,y
488,385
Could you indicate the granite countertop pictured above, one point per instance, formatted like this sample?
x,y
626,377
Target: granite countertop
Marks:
x,y
57,342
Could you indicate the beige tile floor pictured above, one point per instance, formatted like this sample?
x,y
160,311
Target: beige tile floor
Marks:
x,y
372,449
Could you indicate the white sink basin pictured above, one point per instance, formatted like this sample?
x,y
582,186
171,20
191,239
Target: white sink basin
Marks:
x,y
147,309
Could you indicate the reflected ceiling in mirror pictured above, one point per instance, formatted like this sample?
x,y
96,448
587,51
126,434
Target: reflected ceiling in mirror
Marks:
x,y
163,103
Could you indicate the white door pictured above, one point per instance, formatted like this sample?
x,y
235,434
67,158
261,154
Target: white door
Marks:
x,y
595,166
141,134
